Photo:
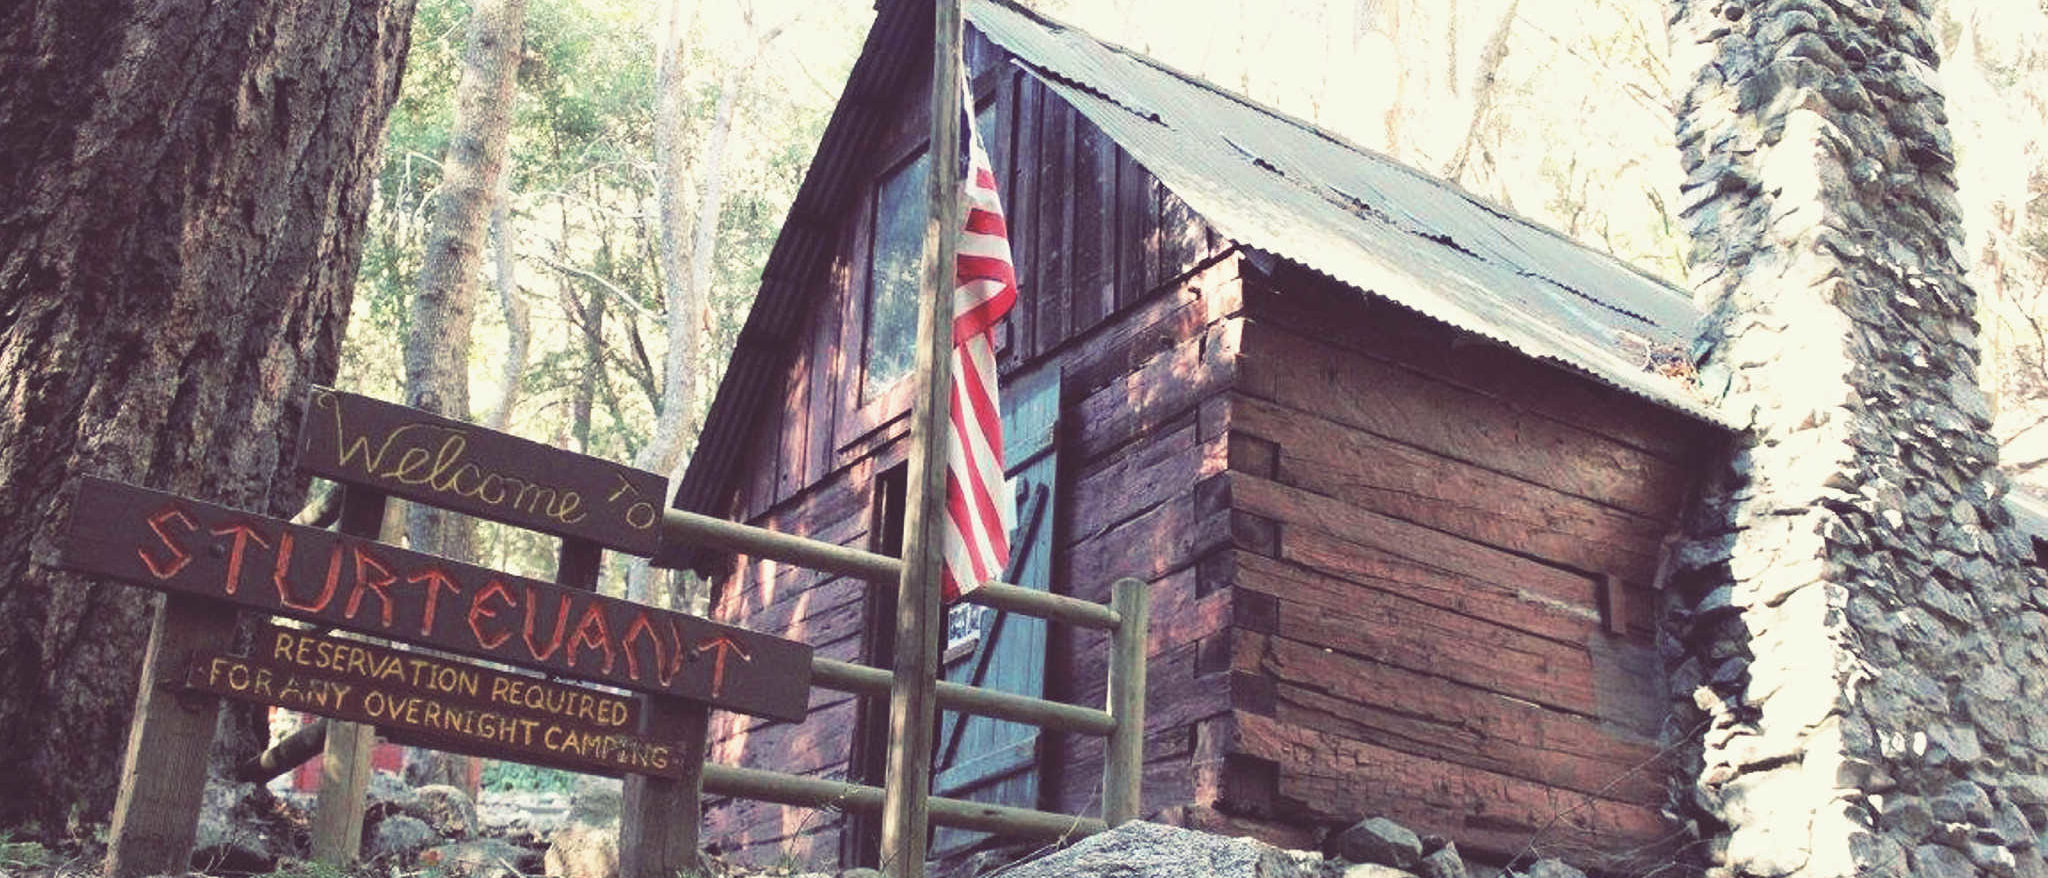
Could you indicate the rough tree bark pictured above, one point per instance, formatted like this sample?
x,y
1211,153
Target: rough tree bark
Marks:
x,y
677,276
1856,641
582,399
182,197
437,345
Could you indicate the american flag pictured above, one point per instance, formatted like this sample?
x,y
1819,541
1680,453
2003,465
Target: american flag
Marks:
x,y
979,511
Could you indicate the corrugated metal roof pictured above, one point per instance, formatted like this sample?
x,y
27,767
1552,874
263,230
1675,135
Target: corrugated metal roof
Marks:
x,y
1280,185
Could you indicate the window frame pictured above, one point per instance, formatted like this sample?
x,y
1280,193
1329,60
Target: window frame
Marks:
x,y
907,139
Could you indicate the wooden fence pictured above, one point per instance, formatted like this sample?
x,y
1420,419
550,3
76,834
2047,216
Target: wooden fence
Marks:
x,y
1122,724
649,856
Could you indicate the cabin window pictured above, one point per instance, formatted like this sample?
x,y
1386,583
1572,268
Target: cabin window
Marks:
x,y
891,346
896,263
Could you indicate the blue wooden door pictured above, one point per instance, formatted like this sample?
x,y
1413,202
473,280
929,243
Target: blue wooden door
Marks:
x,y
978,758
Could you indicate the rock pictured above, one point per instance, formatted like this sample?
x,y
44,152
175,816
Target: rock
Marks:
x,y
1551,868
1379,840
447,809
1963,801
399,836
1150,850
388,793
597,801
240,829
481,858
1907,816
581,850
521,816
2011,828
1443,863
1374,870
588,845
1938,861
2028,789
862,872
1995,859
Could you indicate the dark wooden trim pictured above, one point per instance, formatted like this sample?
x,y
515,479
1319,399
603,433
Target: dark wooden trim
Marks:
x,y
184,546
493,730
478,471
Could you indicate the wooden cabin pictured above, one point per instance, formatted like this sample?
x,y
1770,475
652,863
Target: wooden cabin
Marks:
x,y
1398,465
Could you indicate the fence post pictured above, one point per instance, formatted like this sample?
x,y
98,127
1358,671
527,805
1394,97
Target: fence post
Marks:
x,y
919,618
1123,771
337,831
662,816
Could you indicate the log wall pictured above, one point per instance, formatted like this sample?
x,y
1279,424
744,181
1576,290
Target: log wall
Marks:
x,y
1435,642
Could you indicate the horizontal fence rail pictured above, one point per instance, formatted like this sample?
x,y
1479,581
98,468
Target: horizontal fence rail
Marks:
x,y
690,527
811,792
849,677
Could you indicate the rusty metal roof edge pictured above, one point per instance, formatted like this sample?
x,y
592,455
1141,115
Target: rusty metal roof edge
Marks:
x,y
2029,513
1391,286
708,480
1653,390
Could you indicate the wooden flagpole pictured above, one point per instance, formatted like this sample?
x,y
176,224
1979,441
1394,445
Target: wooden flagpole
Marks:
x,y
912,702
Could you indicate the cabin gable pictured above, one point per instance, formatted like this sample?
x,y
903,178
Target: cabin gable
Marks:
x,y
1124,293
1396,567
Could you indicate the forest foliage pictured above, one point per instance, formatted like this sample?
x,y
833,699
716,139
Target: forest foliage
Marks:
x,y
1564,118
581,230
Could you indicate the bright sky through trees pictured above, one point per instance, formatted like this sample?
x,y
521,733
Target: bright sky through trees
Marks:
x,y
1560,111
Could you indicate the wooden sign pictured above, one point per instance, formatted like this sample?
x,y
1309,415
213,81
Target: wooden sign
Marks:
x,y
174,544
478,471
436,714
356,661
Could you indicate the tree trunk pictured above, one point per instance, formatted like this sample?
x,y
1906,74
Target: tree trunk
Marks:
x,y
678,268
181,210
1852,613
437,345
678,255
1485,83
686,279
518,316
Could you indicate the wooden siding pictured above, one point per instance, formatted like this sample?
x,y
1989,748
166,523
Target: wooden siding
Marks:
x,y
1113,290
1434,647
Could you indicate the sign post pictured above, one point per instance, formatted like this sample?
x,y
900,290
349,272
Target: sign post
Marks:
x,y
163,775
337,831
210,560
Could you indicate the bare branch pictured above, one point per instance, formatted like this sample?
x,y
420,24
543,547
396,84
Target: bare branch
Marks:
x,y
602,283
